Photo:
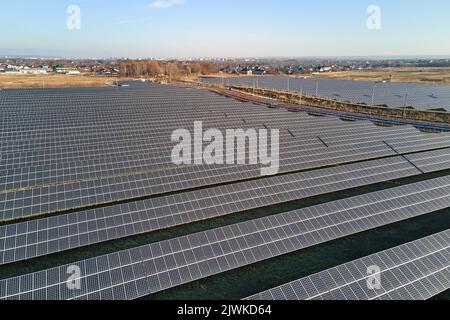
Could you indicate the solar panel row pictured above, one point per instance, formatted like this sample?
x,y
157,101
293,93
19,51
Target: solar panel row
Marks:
x,y
60,197
88,135
418,270
113,152
72,152
431,161
226,111
91,136
102,177
421,96
58,173
17,202
86,97
148,269
59,233
60,111
291,160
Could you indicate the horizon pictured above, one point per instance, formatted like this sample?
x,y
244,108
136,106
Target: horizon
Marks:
x,y
337,58
200,29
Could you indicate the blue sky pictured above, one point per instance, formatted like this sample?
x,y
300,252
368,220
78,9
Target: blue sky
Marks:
x,y
225,28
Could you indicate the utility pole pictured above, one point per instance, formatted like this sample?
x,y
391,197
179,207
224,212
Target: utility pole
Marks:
x,y
289,84
317,87
169,73
406,104
301,94
373,95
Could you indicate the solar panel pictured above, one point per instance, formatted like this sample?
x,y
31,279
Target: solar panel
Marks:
x,y
431,161
417,270
394,135
74,149
391,94
140,161
56,196
123,140
102,224
147,134
148,269
117,180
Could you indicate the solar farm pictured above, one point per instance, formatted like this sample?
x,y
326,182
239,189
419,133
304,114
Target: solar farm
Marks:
x,y
398,95
87,183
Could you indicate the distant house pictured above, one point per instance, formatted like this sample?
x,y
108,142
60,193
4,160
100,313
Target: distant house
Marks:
x,y
247,71
33,71
260,71
325,69
11,71
65,70
293,69
59,69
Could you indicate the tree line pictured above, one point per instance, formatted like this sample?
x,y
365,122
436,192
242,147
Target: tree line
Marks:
x,y
153,68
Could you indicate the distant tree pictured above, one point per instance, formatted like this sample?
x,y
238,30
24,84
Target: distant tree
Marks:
x,y
154,68
172,70
196,68
134,68
188,70
123,69
209,68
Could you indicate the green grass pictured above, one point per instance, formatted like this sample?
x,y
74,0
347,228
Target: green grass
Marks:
x,y
443,296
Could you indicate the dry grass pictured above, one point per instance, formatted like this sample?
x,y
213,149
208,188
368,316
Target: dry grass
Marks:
x,y
218,75
52,81
409,75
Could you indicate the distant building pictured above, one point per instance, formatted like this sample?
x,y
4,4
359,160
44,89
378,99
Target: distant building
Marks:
x,y
65,70
247,71
293,69
325,69
11,71
260,71
33,71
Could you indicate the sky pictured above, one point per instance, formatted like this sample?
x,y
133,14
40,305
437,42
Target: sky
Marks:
x,y
224,28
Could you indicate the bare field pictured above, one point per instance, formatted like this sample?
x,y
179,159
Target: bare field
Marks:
x,y
52,81
408,75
